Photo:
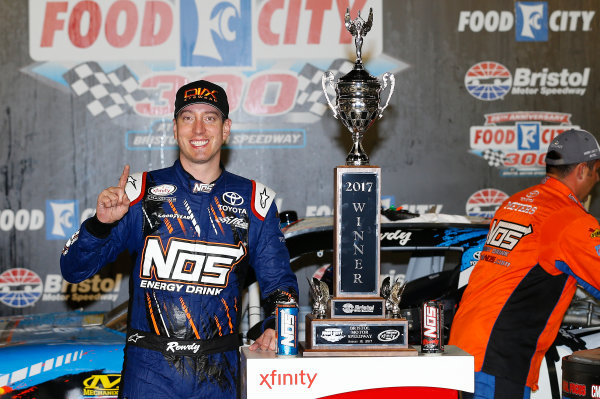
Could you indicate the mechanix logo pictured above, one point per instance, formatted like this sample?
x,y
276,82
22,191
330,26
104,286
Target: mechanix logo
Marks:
x,y
595,233
102,385
189,262
506,235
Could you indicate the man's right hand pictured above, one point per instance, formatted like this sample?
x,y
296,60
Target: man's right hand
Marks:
x,y
113,203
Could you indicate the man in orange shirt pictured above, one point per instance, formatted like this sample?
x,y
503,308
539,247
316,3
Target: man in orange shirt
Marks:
x,y
542,243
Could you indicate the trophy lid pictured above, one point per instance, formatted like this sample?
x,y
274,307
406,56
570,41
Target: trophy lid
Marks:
x,y
358,74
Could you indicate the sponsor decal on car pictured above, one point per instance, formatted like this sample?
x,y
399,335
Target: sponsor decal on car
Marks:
x,y
102,385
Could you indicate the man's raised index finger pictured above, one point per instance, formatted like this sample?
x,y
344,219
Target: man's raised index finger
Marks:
x,y
124,176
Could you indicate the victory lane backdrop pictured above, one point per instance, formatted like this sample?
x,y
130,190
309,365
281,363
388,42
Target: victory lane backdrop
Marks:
x,y
87,86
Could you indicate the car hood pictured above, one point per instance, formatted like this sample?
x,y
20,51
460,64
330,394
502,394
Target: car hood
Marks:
x,y
56,347
56,329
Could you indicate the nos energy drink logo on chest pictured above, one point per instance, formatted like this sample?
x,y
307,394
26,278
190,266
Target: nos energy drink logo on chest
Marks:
x,y
215,33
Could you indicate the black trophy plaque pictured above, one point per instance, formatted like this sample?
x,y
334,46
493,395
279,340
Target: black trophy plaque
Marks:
x,y
356,322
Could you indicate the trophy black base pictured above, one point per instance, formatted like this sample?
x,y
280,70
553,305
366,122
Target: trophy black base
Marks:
x,y
356,337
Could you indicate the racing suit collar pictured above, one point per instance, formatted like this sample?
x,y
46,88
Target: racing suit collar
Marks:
x,y
191,184
559,186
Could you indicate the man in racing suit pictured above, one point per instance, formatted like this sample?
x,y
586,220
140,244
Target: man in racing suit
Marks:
x,y
542,243
193,229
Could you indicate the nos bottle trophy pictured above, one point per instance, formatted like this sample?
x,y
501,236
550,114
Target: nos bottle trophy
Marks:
x,y
354,322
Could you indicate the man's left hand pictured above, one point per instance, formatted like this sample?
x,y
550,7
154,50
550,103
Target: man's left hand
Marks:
x,y
266,341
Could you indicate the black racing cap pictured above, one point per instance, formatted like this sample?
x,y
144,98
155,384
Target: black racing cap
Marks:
x,y
572,147
202,92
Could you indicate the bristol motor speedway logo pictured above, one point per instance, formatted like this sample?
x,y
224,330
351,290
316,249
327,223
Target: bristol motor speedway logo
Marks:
x,y
490,80
516,142
532,20
21,287
485,202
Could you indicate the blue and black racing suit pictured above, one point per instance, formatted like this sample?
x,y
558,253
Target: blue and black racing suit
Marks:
x,y
193,243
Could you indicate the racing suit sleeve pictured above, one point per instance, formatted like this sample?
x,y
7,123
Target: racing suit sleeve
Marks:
x,y
579,256
271,262
93,246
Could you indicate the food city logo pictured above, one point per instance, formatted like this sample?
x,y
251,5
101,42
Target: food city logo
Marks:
x,y
20,287
517,142
61,219
485,202
532,21
490,81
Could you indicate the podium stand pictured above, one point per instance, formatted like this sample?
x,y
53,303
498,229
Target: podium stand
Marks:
x,y
264,375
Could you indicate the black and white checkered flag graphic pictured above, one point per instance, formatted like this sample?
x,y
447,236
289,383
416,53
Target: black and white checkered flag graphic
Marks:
x,y
494,157
111,93
310,92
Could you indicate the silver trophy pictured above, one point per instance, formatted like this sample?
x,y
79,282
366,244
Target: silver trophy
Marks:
x,y
357,101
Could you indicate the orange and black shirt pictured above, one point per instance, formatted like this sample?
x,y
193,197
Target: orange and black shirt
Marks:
x,y
541,244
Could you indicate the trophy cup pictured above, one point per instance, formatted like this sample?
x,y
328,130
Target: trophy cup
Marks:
x,y
354,321
357,102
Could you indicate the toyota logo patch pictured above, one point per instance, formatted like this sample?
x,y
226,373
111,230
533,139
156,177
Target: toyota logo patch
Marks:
x,y
233,199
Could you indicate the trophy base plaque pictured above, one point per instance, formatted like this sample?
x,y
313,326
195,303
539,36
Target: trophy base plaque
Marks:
x,y
357,337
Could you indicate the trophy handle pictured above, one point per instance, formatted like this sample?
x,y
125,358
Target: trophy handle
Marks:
x,y
392,79
327,80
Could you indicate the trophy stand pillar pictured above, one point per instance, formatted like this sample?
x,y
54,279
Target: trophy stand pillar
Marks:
x,y
356,322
